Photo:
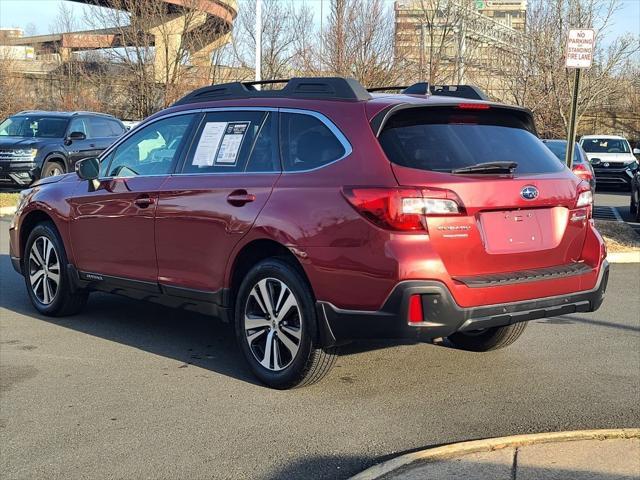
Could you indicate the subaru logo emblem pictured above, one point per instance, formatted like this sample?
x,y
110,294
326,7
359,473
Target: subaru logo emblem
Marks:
x,y
529,192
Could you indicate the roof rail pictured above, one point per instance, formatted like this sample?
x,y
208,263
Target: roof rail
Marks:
x,y
423,88
329,88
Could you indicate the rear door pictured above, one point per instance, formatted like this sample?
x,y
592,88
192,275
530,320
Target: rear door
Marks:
x,y
510,221
104,131
212,202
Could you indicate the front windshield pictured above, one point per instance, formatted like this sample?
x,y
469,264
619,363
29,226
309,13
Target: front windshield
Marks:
x,y
34,126
605,145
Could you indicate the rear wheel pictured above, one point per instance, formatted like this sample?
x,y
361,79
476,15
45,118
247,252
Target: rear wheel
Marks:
x,y
275,327
45,273
487,339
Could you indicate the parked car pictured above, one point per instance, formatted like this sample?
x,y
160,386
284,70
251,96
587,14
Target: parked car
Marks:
x,y
319,214
580,165
612,159
35,144
634,204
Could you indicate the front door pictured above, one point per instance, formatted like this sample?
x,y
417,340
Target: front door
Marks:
x,y
78,149
112,226
206,208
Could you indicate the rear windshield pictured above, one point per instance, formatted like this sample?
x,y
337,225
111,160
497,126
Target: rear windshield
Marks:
x,y
445,139
605,145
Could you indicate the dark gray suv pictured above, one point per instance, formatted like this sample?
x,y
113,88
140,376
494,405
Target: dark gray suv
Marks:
x,y
36,144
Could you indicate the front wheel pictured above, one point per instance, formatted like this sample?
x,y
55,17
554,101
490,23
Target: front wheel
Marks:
x,y
634,204
487,339
275,323
52,169
46,276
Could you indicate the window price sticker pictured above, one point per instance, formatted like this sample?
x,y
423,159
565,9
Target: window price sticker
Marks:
x,y
208,144
231,143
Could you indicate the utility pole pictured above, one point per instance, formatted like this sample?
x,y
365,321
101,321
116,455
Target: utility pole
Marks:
x,y
258,66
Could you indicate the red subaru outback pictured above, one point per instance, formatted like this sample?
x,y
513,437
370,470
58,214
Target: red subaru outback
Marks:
x,y
318,214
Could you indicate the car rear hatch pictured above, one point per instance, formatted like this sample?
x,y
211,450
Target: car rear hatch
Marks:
x,y
514,205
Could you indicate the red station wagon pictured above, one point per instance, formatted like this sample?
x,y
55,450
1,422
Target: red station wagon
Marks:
x,y
319,214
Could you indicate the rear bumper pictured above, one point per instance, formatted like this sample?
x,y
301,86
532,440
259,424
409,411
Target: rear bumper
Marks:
x,y
443,316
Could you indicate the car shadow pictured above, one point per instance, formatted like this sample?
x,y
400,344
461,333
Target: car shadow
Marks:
x,y
189,338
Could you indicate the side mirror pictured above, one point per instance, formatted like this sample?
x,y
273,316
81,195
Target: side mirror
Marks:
x,y
74,136
88,168
636,151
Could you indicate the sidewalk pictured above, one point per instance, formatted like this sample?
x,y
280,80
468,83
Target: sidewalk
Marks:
x,y
583,455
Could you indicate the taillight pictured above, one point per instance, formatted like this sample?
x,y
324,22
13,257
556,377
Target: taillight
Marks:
x,y
585,195
402,209
581,171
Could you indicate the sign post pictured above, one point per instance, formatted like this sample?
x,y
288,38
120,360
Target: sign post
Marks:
x,y
578,56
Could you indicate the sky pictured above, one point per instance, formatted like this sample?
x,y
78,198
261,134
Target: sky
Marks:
x,y
41,14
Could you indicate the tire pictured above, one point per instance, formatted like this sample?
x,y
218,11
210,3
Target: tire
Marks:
x,y
280,346
634,204
52,168
489,339
44,247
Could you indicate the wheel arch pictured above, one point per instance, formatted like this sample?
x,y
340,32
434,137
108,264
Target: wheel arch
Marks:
x,y
58,158
28,223
252,253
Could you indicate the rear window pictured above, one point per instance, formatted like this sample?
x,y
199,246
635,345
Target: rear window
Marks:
x,y
605,145
445,139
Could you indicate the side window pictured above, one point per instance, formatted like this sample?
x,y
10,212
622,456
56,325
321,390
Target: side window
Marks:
x,y
78,125
153,150
116,128
231,142
100,127
307,143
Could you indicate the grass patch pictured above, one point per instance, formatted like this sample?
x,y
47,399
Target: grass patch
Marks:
x,y
618,236
8,199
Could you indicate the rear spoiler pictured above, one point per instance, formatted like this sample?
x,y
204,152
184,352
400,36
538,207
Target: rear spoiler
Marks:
x,y
379,121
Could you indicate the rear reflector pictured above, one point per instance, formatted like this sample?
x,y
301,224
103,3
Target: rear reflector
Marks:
x,y
415,309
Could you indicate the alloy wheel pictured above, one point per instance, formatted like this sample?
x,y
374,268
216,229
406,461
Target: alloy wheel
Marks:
x,y
44,270
273,324
55,171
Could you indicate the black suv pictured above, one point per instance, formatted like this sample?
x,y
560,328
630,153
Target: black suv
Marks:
x,y
36,144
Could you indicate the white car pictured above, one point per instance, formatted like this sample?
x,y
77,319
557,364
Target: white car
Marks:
x,y
612,159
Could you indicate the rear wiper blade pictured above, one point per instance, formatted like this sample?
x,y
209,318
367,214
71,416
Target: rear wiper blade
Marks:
x,y
488,167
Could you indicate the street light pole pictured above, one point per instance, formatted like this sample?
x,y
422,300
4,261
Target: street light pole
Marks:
x,y
258,65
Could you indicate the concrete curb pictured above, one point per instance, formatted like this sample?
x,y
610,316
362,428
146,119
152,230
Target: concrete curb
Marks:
x,y
489,444
624,257
7,211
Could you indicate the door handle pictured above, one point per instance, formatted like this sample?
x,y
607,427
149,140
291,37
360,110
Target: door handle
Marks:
x,y
143,202
238,198
92,145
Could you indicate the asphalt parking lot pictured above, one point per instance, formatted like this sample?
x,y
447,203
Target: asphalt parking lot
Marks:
x,y
134,390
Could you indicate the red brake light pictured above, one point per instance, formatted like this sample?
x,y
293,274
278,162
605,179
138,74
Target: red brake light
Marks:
x,y
402,209
473,106
581,171
415,309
